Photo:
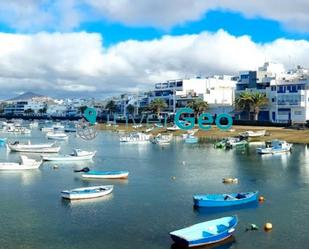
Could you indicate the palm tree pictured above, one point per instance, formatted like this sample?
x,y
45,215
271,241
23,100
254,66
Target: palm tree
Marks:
x,y
130,109
111,106
157,105
198,106
258,100
243,102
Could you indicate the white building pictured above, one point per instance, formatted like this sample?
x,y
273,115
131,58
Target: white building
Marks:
x,y
217,91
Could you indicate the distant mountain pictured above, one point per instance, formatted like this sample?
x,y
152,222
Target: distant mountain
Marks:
x,y
26,96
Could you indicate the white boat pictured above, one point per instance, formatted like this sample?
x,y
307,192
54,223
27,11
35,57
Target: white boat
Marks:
x,y
189,133
149,129
137,126
275,147
114,174
31,149
135,138
57,136
26,163
47,129
162,139
173,128
77,155
15,130
87,193
34,124
29,145
253,133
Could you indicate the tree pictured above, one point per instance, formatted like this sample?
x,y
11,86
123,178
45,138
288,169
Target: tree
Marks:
x,y
29,111
157,105
243,102
130,109
258,100
43,110
251,101
198,106
111,106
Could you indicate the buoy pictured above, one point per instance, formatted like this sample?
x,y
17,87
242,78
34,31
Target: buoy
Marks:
x,y
174,177
261,199
268,226
183,162
55,166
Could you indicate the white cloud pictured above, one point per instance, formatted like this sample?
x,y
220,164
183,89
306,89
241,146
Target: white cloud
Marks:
x,y
36,15
77,63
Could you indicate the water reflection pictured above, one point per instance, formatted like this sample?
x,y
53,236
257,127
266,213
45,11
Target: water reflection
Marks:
x,y
26,177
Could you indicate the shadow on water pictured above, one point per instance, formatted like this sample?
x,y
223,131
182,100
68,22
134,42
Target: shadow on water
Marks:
x,y
225,244
214,210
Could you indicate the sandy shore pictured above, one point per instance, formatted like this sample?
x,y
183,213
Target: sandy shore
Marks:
x,y
289,135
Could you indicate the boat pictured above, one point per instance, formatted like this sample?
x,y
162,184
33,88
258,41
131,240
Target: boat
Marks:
x,y
135,138
221,144
191,140
70,128
34,124
77,155
223,200
190,132
3,140
47,129
235,142
275,147
23,148
253,133
162,139
121,174
57,136
29,145
26,163
205,233
173,128
87,193
12,129
149,129
137,126
230,180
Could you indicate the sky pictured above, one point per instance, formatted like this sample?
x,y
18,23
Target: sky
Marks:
x,y
100,48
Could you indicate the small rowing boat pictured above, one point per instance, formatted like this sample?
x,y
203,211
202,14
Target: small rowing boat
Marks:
x,y
87,193
224,200
115,174
77,155
26,163
205,233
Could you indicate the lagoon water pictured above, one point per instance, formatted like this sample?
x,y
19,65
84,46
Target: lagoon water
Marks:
x,y
156,199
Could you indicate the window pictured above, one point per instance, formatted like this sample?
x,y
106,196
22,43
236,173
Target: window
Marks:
x,y
298,112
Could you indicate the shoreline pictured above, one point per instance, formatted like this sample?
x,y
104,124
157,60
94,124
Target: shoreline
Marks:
x,y
287,134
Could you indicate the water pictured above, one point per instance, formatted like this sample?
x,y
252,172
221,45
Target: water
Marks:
x,y
156,199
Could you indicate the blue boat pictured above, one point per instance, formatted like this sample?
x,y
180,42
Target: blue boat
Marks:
x,y
191,139
224,200
115,174
205,233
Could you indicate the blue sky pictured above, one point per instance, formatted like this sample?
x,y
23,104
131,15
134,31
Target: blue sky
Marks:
x,y
100,48
259,29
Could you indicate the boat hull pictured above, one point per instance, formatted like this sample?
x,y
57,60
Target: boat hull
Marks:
x,y
82,193
34,150
219,200
68,158
205,233
106,175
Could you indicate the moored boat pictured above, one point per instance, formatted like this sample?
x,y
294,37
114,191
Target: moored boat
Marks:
x,y
26,163
235,142
57,136
223,200
205,233
77,155
32,149
191,139
162,139
135,138
115,174
275,147
87,193
261,133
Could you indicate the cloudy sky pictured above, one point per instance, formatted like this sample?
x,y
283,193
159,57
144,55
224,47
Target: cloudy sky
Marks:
x,y
103,47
